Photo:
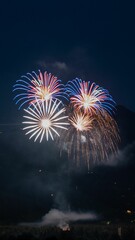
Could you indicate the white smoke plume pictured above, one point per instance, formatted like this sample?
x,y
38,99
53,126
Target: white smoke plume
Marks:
x,y
55,216
125,156
62,219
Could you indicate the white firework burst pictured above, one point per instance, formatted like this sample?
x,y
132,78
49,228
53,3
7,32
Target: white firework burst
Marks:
x,y
44,119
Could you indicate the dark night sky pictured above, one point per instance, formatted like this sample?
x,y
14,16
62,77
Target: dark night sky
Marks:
x,y
92,40
95,40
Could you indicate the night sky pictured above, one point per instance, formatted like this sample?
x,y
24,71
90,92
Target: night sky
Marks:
x,y
93,41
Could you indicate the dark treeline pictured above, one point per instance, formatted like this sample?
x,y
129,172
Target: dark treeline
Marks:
x,y
77,232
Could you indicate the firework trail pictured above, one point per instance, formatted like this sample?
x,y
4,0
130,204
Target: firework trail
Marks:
x,y
89,97
45,119
37,87
90,140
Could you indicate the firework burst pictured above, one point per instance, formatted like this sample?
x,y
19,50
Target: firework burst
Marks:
x,y
89,97
90,139
41,87
45,119
92,135
81,121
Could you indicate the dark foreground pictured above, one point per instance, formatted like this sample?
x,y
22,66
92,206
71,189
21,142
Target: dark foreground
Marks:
x,y
76,232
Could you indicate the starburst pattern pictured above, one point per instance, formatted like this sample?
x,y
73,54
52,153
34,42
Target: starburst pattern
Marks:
x,y
89,97
81,121
38,87
45,119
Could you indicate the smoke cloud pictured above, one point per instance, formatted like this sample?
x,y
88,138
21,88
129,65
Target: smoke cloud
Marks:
x,y
56,217
62,219
125,156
